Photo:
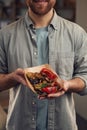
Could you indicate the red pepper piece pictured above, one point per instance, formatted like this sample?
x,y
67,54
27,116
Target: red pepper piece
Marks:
x,y
48,73
49,90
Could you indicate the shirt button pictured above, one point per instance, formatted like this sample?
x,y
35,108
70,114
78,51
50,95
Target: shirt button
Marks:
x,y
35,53
33,103
33,37
33,119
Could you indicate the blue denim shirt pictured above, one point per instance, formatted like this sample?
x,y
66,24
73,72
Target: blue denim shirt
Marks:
x,y
67,56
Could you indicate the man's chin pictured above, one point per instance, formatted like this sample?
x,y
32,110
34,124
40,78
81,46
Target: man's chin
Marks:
x,y
40,0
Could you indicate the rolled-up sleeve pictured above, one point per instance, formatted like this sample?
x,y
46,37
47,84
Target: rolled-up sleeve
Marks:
x,y
3,58
80,68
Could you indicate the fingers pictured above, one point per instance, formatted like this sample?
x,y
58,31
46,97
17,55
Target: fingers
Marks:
x,y
21,80
42,97
60,83
20,71
19,76
53,95
62,88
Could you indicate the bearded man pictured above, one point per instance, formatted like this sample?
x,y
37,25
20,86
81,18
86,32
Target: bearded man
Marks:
x,y
42,37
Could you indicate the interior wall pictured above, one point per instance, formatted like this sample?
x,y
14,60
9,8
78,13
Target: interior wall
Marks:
x,y
81,19
81,13
81,105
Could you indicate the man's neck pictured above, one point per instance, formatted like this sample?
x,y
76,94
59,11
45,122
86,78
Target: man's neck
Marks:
x,y
41,21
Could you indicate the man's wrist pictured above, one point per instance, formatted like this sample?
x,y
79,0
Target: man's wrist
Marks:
x,y
75,85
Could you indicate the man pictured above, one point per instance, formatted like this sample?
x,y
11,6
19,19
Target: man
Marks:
x,y
38,38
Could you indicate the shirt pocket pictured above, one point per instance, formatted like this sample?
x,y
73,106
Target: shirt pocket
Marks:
x,y
65,64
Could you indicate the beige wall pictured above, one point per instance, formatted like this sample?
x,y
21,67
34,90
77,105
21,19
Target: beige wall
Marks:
x,y
81,19
81,13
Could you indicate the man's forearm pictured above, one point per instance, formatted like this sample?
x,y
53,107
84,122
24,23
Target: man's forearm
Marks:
x,y
10,80
76,85
6,82
73,85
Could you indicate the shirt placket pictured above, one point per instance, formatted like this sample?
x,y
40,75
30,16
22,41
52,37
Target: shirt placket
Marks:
x,y
35,51
33,116
51,40
51,104
51,114
34,58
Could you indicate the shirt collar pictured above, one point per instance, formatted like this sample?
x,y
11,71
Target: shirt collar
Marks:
x,y
28,21
54,21
53,24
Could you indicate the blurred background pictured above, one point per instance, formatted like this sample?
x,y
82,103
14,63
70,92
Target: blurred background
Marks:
x,y
73,10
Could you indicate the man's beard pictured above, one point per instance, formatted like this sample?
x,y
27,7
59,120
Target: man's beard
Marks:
x,y
41,10
40,0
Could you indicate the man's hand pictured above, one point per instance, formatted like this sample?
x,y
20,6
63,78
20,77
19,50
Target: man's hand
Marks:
x,y
19,76
12,79
63,87
73,85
